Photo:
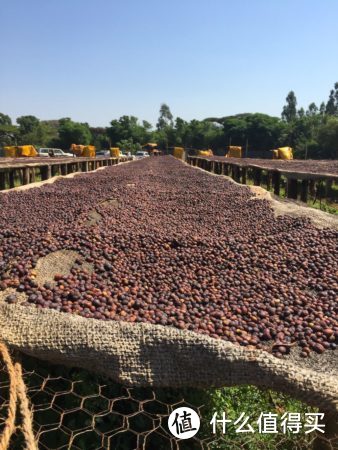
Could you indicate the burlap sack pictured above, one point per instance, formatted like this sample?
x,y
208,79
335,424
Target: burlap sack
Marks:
x,y
148,355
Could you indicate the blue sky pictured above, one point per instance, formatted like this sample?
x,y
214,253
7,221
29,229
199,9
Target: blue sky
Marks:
x,y
95,60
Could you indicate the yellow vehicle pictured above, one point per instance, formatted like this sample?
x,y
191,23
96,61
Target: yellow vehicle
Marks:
x,y
150,147
115,152
87,151
285,153
234,152
77,149
178,152
208,152
20,151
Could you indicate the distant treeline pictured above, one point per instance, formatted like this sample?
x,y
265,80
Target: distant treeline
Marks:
x,y
313,133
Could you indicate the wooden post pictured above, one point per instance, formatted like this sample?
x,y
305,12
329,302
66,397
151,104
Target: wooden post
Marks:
x,y
26,175
11,178
54,170
234,171
268,180
257,176
292,188
43,173
63,169
32,175
304,190
276,182
244,170
238,173
2,181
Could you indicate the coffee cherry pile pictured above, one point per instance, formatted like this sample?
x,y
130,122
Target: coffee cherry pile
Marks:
x,y
175,246
324,166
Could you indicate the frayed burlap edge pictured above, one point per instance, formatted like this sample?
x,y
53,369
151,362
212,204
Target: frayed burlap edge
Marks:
x,y
137,354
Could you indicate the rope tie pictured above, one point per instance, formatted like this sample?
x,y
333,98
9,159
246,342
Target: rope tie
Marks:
x,y
17,394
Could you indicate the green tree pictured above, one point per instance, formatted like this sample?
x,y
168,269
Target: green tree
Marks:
x,y
129,145
128,127
5,120
73,133
328,139
312,110
8,132
27,124
331,108
32,131
100,137
289,112
258,131
147,126
165,119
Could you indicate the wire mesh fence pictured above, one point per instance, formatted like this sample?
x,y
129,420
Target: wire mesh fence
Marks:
x,y
75,409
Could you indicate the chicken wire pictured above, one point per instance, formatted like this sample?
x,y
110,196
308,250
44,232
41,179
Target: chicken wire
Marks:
x,y
74,409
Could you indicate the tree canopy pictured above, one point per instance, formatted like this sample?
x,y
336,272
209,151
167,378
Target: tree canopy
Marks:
x,y
311,131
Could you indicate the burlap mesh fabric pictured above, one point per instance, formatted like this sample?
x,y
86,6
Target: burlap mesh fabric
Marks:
x,y
148,355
